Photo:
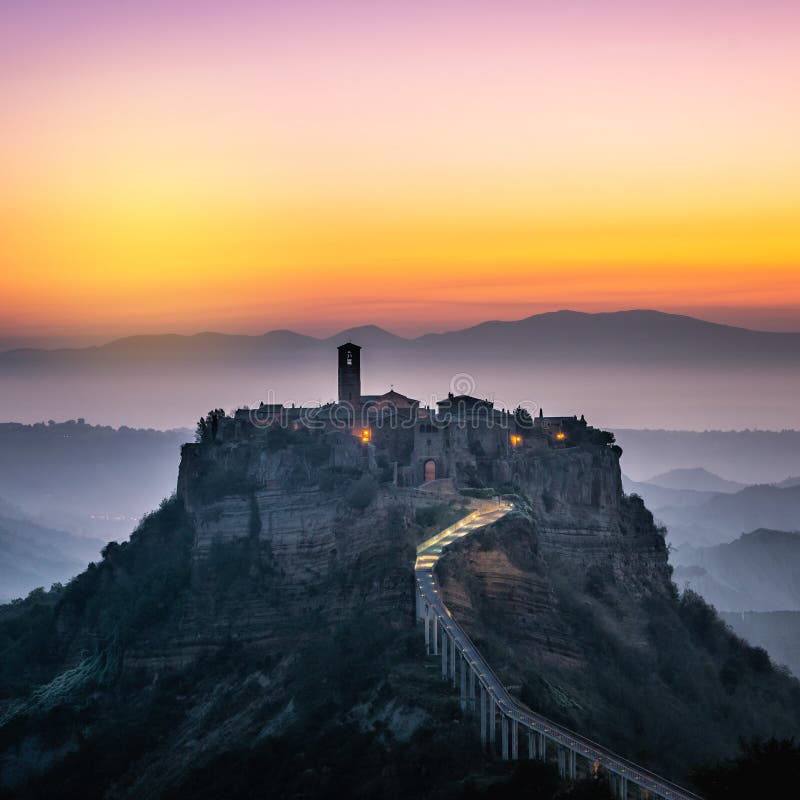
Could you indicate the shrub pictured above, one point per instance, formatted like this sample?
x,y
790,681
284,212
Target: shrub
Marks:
x,y
362,492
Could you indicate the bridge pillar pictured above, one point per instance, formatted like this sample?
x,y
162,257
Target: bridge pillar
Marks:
x,y
514,739
463,693
504,735
492,723
531,745
619,786
453,660
435,635
562,763
572,765
471,689
427,632
483,716
444,654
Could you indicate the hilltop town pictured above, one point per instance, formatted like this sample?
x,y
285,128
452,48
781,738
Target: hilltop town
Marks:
x,y
461,439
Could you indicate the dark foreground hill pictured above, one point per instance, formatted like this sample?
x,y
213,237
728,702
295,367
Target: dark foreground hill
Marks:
x,y
255,637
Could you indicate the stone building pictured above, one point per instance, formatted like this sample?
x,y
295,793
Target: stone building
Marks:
x,y
462,438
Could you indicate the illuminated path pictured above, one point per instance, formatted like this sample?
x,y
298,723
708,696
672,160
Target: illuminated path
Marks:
x,y
482,691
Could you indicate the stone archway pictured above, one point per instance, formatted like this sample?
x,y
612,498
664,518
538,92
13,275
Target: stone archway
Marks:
x,y
430,470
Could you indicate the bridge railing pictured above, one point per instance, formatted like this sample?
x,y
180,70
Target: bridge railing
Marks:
x,y
515,709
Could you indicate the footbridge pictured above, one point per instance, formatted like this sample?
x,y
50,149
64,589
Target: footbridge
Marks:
x,y
505,721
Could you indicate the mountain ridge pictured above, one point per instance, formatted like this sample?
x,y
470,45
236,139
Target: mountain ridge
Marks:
x,y
564,362
639,315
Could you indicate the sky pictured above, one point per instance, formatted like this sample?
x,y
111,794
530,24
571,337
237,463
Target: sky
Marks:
x,y
178,167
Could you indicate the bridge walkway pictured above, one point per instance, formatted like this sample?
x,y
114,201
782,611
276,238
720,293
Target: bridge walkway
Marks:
x,y
482,691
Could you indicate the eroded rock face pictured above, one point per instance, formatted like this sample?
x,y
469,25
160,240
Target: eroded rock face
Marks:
x,y
498,579
574,521
273,561
269,554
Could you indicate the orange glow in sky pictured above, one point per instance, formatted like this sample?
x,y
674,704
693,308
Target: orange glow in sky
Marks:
x,y
416,169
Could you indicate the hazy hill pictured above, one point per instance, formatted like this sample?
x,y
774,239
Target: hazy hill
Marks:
x,y
695,479
778,632
564,361
725,516
91,480
32,555
759,571
657,497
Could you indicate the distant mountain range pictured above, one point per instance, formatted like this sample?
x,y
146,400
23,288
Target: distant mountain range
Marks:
x,y
695,479
702,518
759,571
722,517
744,457
629,368
701,508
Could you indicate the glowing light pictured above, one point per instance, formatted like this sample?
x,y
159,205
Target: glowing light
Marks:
x,y
561,436
516,440
366,435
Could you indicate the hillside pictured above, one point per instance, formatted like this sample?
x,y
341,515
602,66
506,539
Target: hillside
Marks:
x,y
590,363
759,571
600,642
256,634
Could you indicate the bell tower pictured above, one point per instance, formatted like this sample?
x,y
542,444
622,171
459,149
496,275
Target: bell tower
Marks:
x,y
350,374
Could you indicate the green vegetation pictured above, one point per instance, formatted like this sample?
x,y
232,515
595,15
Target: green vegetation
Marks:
x,y
117,599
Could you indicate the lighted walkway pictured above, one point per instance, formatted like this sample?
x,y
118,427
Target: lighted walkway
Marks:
x,y
444,635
